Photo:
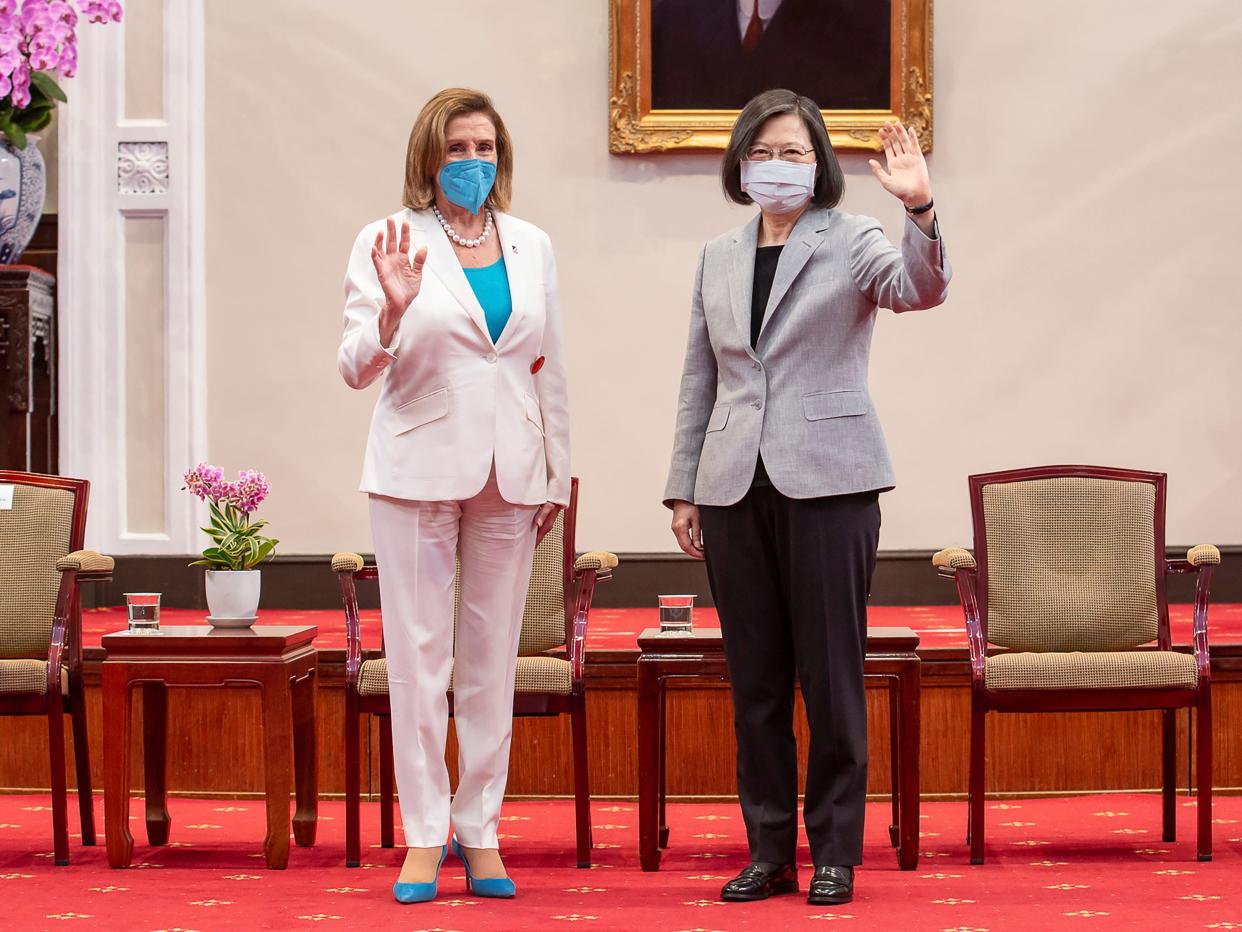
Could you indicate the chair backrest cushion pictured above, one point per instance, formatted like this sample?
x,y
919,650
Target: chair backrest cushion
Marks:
x,y
34,534
1070,564
543,621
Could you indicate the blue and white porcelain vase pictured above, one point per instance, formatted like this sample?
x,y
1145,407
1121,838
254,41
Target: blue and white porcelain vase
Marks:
x,y
23,185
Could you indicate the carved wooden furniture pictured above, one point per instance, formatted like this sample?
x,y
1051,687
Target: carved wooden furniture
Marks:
x,y
28,440
675,659
549,677
43,562
1068,578
280,660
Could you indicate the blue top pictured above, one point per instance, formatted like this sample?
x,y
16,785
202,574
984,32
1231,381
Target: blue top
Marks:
x,y
491,287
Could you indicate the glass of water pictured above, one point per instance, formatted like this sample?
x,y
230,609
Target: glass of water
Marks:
x,y
144,612
676,613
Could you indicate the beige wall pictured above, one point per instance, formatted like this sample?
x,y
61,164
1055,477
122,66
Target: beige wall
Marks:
x,y
1084,168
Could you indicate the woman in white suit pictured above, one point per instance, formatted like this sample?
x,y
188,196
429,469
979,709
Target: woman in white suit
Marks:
x,y
468,455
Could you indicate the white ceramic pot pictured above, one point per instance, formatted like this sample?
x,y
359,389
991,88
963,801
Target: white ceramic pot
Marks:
x,y
233,597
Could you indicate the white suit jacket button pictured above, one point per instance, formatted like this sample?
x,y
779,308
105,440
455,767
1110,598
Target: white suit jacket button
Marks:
x,y
756,405
490,357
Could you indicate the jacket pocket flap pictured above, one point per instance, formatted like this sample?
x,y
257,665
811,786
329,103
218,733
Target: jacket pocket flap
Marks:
x,y
719,418
818,406
422,410
533,414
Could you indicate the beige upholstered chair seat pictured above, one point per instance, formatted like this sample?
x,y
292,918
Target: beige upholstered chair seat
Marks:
x,y
28,677
534,675
1096,670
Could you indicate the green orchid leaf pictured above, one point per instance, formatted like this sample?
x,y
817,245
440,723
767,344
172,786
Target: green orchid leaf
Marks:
x,y
217,516
41,123
47,86
265,550
37,114
16,134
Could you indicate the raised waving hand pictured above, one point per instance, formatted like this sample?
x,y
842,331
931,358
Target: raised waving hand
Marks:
x,y
400,277
904,174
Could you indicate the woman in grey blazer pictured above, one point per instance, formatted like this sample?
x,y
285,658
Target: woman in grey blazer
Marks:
x,y
778,462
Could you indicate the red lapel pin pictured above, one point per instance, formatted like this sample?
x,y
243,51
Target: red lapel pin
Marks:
x,y
536,365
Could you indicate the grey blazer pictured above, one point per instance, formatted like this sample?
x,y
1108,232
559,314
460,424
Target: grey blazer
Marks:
x,y
800,397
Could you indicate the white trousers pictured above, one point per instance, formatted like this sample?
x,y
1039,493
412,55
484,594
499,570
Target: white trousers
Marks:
x,y
416,544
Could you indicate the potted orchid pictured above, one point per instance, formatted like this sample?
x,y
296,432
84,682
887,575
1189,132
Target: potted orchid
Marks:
x,y
237,546
38,50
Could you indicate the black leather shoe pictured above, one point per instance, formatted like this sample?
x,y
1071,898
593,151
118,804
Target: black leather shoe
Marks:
x,y
760,881
831,886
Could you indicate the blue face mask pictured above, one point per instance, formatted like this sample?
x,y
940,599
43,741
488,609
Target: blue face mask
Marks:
x,y
467,183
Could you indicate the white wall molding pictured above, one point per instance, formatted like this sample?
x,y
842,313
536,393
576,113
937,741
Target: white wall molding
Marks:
x,y
111,169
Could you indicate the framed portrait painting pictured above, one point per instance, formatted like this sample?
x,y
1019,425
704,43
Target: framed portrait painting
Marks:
x,y
682,69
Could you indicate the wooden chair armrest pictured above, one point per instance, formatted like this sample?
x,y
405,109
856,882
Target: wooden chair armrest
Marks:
x,y
66,640
959,565
967,592
577,647
347,566
951,559
1198,558
601,561
1203,555
346,562
1203,590
88,565
965,576
588,575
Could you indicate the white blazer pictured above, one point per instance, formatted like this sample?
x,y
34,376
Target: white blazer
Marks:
x,y
453,400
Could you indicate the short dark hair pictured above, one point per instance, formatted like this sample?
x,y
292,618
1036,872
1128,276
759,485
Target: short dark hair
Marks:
x,y
829,180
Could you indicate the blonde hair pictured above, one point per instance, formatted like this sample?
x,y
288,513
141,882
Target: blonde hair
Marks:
x,y
424,155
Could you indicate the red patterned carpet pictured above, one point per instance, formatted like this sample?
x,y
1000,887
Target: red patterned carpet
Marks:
x,y
617,628
1077,863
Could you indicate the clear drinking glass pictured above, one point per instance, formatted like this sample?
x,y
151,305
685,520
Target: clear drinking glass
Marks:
x,y
144,612
676,613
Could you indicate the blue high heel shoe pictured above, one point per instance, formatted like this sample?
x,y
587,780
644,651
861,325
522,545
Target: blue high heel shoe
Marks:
x,y
419,892
499,887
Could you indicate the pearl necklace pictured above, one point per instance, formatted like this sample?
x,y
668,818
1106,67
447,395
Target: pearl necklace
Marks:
x,y
459,240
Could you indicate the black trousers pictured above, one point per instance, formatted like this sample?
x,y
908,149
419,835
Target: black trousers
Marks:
x,y
791,578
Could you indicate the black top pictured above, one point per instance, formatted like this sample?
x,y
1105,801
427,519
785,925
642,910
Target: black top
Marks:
x,y
766,258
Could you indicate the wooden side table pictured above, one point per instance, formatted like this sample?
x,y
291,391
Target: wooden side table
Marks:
x,y
279,660
699,655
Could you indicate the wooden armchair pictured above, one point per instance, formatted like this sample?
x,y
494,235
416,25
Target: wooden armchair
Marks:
x,y
41,564
1068,577
549,678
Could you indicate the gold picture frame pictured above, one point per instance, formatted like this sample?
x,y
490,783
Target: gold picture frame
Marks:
x,y
636,128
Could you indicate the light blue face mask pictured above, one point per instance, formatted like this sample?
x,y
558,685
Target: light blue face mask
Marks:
x,y
468,182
